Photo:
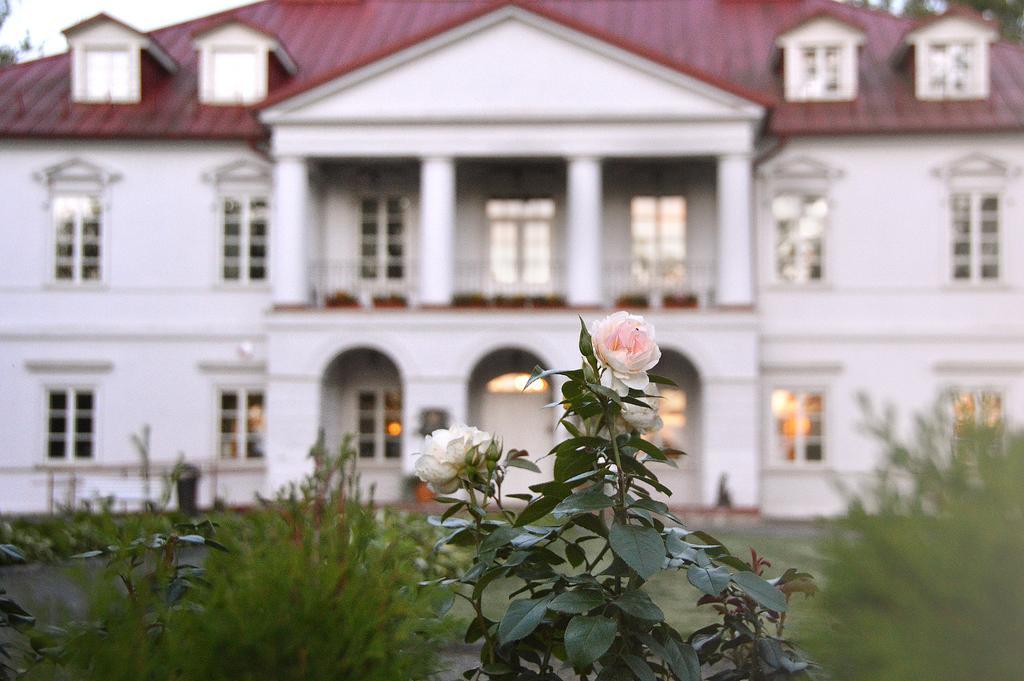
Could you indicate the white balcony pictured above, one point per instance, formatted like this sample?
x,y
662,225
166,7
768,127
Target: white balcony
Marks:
x,y
513,233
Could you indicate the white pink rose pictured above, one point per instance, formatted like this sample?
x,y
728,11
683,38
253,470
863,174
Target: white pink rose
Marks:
x,y
625,350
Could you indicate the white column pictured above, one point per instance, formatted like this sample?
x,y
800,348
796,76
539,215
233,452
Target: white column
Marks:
x,y
735,233
437,231
289,232
583,264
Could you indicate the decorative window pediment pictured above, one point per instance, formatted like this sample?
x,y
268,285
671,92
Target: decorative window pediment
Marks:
x,y
819,58
977,167
77,174
241,172
235,62
802,168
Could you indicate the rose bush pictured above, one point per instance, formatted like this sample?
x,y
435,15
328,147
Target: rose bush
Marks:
x,y
576,557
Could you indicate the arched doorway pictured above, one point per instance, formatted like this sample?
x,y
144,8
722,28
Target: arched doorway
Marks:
x,y
681,410
361,395
499,405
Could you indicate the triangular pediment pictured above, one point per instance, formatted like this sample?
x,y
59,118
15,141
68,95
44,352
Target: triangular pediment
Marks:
x,y
801,168
513,64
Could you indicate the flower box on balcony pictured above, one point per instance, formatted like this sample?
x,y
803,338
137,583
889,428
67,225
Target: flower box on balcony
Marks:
x,y
630,301
469,300
341,299
393,300
686,300
548,301
510,301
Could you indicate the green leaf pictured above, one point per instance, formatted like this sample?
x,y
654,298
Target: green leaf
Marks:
x,y
655,378
711,580
521,618
500,537
525,464
12,552
680,657
649,448
638,604
577,602
586,342
641,670
640,547
761,591
536,510
588,638
575,554
572,463
593,499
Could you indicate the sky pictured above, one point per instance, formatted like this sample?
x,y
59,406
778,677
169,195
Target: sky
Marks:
x,y
44,19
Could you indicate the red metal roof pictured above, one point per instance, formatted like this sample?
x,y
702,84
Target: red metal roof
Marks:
x,y
729,43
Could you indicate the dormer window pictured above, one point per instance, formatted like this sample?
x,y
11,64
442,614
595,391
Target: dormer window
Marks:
x,y
822,72
109,75
819,58
235,74
950,55
237,62
950,68
106,60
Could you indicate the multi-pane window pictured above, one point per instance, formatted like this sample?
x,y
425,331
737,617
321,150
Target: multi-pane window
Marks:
x,y
658,228
798,417
950,67
78,239
242,420
800,221
975,217
235,72
820,77
245,238
976,408
70,424
382,238
380,424
520,240
108,75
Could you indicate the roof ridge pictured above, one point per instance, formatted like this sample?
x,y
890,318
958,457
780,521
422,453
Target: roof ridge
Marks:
x,y
216,15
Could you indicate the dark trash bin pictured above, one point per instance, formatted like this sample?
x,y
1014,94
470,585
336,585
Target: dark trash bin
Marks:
x,y
188,486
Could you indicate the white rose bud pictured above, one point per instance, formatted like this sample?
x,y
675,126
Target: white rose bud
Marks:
x,y
625,350
442,477
643,419
446,454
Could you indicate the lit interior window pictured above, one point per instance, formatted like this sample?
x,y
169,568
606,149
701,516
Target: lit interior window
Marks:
x,y
516,383
982,408
234,75
672,410
798,425
107,75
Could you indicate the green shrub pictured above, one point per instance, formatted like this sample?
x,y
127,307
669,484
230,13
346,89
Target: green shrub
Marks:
x,y
317,587
924,577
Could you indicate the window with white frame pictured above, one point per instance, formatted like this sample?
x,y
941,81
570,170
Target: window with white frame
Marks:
x,y
658,230
951,69
70,424
241,423
235,75
380,424
109,76
975,236
800,221
245,239
979,408
520,240
798,425
78,238
382,227
821,72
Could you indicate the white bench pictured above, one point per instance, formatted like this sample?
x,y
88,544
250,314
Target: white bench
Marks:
x,y
123,491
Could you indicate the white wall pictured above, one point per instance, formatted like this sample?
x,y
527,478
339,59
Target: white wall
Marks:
x,y
887,320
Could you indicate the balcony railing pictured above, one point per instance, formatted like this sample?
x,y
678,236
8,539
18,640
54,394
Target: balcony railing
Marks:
x,y
537,283
689,283
352,283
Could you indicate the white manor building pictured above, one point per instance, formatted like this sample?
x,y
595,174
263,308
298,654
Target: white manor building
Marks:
x,y
368,215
